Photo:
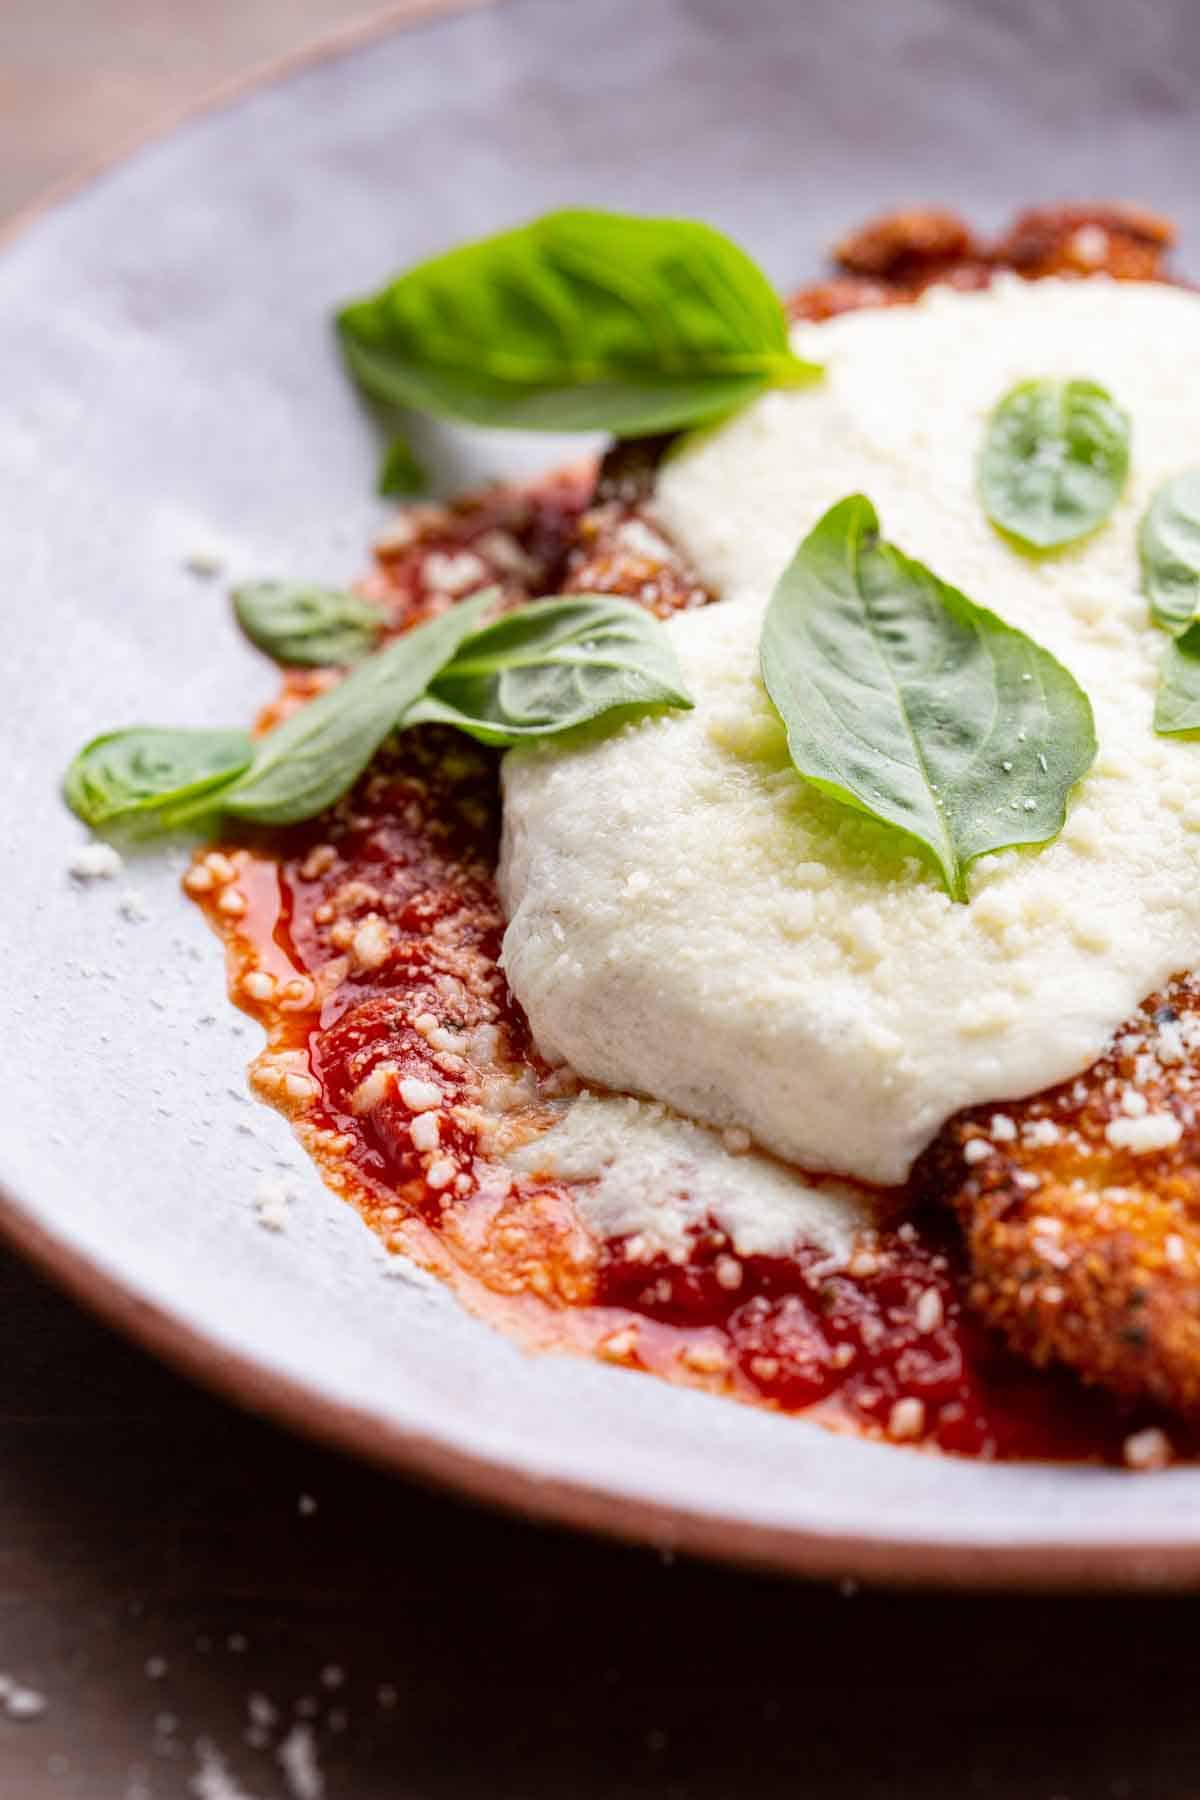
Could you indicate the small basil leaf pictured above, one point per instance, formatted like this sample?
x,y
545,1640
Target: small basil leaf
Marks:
x,y
580,321
400,472
320,751
147,769
904,699
1169,547
551,666
305,626
1177,708
1054,461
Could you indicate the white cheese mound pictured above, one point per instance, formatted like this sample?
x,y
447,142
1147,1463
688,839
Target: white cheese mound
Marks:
x,y
690,921
638,1169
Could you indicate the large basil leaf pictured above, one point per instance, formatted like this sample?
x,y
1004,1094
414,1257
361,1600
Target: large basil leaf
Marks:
x,y
580,321
554,665
904,699
320,751
304,626
1054,461
146,770
1177,708
1169,547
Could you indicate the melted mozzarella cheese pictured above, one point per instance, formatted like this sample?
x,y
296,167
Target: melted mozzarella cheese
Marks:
x,y
689,920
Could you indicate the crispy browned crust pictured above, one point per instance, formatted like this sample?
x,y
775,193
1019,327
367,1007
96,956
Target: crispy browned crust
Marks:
x,y
894,257
897,246
1126,242
1084,1245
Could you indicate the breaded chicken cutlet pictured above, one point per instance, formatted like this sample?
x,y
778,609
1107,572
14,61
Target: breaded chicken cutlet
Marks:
x,y
1081,1209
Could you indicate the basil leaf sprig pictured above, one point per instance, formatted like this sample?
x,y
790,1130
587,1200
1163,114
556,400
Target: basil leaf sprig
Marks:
x,y
579,321
1055,458
907,701
533,674
307,627
552,666
146,771
318,752
1169,550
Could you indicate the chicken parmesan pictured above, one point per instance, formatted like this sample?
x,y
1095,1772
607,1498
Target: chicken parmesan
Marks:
x,y
673,1037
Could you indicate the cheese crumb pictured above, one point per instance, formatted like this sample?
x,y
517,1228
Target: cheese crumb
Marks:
x,y
297,1755
705,1359
95,862
272,1198
453,574
425,1131
1149,1449
906,1419
620,1345
23,1703
420,1096
930,1312
372,1088
371,943
1156,1131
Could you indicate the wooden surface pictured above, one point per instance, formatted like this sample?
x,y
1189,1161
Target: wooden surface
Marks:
x,y
156,1572
79,78
180,1608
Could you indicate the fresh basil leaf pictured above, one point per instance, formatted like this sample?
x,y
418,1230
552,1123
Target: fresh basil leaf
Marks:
x,y
1177,708
147,769
904,699
400,472
1054,461
1169,547
305,626
580,321
553,665
320,751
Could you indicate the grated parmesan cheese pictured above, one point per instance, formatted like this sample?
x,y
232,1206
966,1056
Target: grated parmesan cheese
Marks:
x,y
95,862
640,1169
1151,1131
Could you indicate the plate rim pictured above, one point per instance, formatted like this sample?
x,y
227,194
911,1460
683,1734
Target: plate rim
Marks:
x,y
439,1460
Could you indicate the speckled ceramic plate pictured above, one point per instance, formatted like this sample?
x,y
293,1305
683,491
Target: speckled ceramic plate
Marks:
x,y
170,391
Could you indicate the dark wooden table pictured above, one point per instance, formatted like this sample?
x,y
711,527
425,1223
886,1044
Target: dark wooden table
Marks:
x,y
161,1587
186,1589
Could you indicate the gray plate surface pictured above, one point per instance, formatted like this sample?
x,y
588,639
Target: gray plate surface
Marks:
x,y
170,388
